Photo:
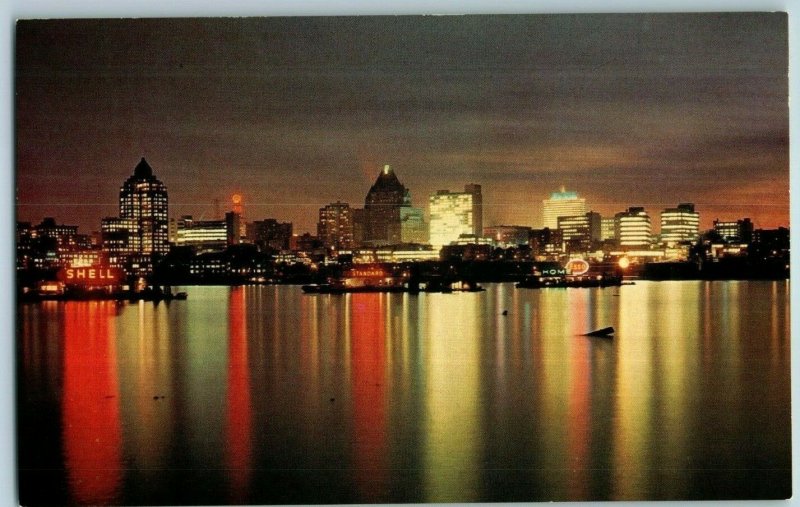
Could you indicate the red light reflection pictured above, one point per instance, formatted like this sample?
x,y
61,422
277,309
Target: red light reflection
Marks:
x,y
238,417
91,416
368,366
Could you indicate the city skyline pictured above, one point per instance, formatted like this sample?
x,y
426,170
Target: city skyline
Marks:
x,y
697,111
236,204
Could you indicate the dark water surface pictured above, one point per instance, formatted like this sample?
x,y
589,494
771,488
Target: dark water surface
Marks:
x,y
266,395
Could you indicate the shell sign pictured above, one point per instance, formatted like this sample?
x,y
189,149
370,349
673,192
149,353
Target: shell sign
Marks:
x,y
577,267
90,276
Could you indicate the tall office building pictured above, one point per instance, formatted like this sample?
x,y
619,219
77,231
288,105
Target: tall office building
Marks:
x,y
452,214
143,200
679,224
335,226
382,205
561,204
632,228
581,232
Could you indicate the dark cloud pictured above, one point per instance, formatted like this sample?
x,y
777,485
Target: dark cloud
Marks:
x,y
296,112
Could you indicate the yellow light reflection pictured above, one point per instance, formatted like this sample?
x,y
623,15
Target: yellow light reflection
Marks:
x,y
452,424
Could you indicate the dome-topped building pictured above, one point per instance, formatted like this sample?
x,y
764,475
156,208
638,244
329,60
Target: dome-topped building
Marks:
x,y
143,199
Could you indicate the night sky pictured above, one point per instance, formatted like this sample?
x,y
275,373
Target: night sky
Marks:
x,y
294,113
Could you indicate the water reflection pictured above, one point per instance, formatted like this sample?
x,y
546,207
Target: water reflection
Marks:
x,y
91,421
368,367
452,416
238,411
264,395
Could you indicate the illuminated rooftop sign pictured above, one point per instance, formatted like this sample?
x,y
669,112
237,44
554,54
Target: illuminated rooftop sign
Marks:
x,y
90,276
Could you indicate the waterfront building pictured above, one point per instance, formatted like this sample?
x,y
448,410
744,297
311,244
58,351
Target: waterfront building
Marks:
x,y
395,253
468,251
451,215
771,245
633,230
508,235
546,243
581,232
561,204
734,231
381,218
62,234
681,224
335,226
202,235
413,228
269,234
143,201
120,236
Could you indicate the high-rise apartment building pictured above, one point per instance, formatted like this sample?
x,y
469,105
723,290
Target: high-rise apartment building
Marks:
x,y
335,226
143,210
561,204
633,228
679,224
451,215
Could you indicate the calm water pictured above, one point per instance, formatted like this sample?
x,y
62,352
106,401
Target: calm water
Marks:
x,y
266,395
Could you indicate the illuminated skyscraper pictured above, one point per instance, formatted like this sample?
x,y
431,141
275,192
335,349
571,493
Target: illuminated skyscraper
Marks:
x,y
561,204
582,232
633,228
451,216
335,226
382,205
679,224
143,208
